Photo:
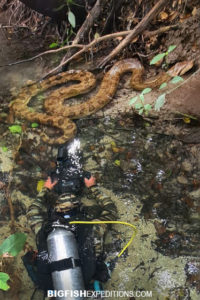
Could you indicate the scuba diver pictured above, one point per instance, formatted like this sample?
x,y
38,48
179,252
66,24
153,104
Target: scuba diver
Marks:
x,y
58,204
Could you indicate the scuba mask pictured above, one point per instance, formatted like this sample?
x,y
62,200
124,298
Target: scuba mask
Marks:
x,y
69,172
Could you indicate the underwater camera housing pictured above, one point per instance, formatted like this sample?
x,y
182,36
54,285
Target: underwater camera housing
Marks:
x,y
69,172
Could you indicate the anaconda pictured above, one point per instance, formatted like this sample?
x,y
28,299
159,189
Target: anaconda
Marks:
x,y
61,116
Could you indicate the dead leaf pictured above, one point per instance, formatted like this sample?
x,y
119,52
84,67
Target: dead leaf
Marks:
x,y
194,47
181,68
194,11
153,40
184,17
134,40
163,16
117,149
173,15
187,120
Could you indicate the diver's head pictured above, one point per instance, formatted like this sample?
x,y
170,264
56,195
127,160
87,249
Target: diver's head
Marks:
x,y
69,158
69,172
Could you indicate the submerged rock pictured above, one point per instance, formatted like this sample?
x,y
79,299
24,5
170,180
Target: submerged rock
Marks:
x,y
187,166
182,179
195,194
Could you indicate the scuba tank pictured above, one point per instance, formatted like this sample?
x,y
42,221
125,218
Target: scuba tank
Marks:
x,y
65,263
61,242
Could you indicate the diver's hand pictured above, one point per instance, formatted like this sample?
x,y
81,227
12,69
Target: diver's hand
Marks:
x,y
49,184
90,182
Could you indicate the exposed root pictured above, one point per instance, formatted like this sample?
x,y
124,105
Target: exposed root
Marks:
x,y
20,15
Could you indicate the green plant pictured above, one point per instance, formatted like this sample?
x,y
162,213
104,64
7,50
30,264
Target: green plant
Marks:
x,y
160,101
4,148
9,248
15,129
140,106
160,56
34,125
72,21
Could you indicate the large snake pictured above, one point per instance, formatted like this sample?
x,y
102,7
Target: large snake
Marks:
x,y
60,116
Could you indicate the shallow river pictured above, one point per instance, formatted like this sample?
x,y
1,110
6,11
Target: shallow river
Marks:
x,y
153,179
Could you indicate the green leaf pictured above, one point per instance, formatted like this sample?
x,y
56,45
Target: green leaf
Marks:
x,y
159,102
171,48
13,244
40,97
146,91
72,19
133,100
147,107
4,149
163,85
59,7
53,45
71,2
141,111
15,129
142,97
34,125
157,58
117,162
138,105
176,79
3,281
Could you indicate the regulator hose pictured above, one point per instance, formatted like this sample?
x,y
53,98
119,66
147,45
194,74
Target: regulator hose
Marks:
x,y
111,222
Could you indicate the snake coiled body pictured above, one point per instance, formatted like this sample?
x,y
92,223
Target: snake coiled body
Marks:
x,y
61,116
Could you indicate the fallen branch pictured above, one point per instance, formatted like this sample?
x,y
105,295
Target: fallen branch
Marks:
x,y
140,27
93,43
160,30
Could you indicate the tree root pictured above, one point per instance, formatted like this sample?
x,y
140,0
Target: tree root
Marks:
x,y
19,14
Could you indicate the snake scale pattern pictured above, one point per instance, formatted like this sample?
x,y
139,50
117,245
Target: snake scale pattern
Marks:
x,y
61,116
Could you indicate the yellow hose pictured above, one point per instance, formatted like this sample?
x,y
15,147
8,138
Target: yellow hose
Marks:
x,y
111,222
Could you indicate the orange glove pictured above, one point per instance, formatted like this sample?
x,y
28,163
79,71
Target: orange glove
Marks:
x,y
48,184
90,182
